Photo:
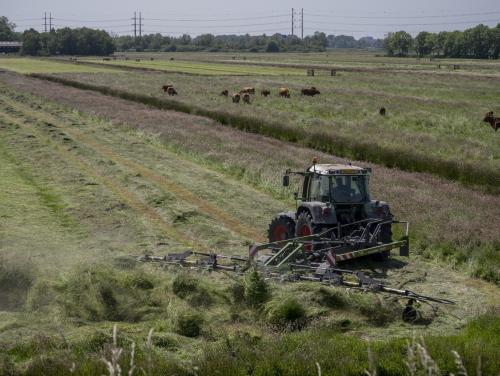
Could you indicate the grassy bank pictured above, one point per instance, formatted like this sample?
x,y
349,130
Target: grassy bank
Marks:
x,y
200,325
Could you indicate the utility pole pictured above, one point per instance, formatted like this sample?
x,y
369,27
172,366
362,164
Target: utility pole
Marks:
x,y
45,21
50,21
292,21
302,24
140,24
135,25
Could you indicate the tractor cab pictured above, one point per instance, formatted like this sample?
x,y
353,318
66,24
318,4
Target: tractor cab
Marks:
x,y
333,196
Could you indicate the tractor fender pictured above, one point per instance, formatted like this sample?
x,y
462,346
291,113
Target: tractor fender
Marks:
x,y
288,214
321,212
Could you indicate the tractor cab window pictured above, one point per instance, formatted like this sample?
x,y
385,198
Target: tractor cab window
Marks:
x,y
319,190
349,188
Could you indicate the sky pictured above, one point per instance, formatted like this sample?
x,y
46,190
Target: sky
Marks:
x,y
355,17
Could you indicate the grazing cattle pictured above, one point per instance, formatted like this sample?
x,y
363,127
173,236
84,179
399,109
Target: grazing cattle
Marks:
x,y
246,98
284,92
312,91
382,111
171,91
166,87
152,58
171,58
247,90
236,98
224,93
137,59
265,92
494,121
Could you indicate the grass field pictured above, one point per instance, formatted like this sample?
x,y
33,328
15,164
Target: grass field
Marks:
x,y
88,180
194,67
434,123
341,59
32,65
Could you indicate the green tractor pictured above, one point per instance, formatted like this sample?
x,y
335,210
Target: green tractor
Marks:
x,y
335,205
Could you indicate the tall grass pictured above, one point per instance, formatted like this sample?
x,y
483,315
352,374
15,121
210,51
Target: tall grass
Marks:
x,y
353,148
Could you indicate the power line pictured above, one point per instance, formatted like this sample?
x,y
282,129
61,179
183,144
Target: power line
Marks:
x,y
407,24
213,19
335,14
229,26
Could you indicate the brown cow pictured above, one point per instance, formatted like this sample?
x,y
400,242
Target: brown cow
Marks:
x,y
246,98
494,121
171,91
312,91
236,97
265,92
224,93
382,111
166,87
284,92
247,90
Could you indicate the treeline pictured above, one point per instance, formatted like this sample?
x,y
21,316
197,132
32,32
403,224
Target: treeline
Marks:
x,y
222,43
480,42
66,41
346,41
317,42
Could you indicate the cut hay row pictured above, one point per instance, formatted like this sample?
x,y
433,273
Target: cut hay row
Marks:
x,y
112,184
403,158
163,182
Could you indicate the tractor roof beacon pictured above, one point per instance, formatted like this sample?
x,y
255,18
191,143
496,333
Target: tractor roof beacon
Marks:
x,y
335,211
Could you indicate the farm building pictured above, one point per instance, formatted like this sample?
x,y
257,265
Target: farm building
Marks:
x,y
8,47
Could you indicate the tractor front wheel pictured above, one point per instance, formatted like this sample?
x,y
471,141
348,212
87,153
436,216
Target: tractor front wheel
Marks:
x,y
281,228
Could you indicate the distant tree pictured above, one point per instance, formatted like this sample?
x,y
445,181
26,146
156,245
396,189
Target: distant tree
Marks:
x,y
272,46
31,42
204,40
399,42
423,43
495,42
7,30
478,40
185,39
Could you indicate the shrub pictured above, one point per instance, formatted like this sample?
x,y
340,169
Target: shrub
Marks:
x,y
256,289
330,298
15,281
184,285
189,288
286,312
189,324
98,293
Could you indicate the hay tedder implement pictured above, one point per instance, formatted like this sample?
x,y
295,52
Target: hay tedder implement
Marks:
x,y
335,221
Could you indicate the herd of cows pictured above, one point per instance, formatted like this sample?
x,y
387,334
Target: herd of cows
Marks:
x,y
284,92
246,93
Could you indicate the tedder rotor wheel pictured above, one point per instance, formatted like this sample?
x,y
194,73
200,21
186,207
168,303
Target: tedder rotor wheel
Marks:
x,y
281,228
305,227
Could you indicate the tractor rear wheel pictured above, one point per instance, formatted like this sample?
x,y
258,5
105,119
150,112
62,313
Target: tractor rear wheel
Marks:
x,y
305,227
281,228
